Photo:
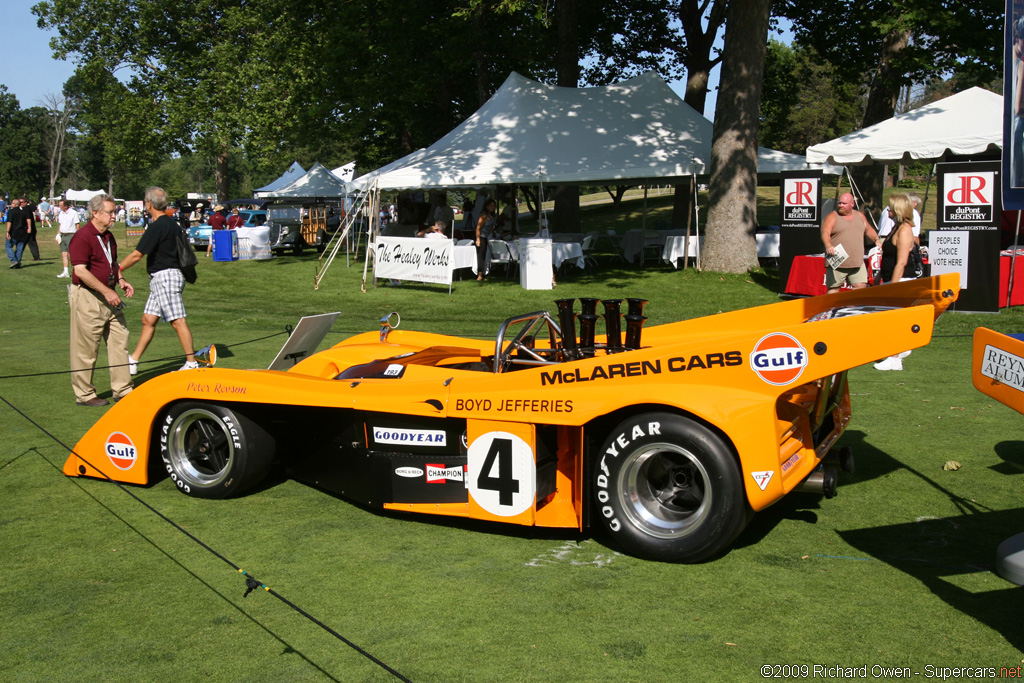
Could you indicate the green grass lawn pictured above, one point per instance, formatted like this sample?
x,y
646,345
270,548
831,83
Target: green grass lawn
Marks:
x,y
896,571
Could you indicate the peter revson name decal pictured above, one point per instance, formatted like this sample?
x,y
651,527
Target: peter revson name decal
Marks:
x,y
641,368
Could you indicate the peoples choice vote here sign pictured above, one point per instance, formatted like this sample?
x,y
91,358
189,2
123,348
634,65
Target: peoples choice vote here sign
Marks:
x,y
966,237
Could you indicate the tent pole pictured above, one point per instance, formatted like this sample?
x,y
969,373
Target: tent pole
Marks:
x,y
643,229
696,215
689,222
927,189
1013,260
374,219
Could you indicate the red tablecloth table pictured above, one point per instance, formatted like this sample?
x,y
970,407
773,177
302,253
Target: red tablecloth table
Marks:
x,y
1005,262
807,276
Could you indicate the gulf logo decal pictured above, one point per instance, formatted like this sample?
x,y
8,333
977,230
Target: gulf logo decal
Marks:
x,y
121,451
778,359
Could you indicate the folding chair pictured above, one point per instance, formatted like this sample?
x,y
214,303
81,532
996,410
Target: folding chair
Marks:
x,y
500,254
615,239
589,247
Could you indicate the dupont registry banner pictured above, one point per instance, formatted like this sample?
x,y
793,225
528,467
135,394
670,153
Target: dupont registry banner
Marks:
x,y
800,226
966,237
414,259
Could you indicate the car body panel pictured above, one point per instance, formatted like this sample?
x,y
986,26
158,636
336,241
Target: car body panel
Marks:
x,y
771,381
997,366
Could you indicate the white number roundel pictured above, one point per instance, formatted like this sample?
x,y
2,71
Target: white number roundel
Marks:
x,y
502,474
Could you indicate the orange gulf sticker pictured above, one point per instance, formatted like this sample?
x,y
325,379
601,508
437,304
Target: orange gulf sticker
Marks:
x,y
121,451
778,359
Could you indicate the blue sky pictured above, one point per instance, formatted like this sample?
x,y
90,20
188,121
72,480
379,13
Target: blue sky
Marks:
x,y
28,68
35,72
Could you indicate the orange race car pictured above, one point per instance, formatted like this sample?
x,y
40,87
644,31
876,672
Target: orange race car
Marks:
x,y
670,436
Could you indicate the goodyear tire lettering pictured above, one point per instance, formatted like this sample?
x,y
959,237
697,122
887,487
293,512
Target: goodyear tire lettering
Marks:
x,y
669,488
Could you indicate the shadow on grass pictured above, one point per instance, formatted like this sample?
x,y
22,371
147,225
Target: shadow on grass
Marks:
x,y
1012,453
939,552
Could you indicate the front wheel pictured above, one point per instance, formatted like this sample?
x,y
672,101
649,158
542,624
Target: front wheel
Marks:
x,y
211,451
669,488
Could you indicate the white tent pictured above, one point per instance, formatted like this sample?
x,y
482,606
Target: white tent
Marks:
x,y
970,122
294,172
529,132
80,195
345,171
317,183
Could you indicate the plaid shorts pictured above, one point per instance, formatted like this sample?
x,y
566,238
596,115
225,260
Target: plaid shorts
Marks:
x,y
165,287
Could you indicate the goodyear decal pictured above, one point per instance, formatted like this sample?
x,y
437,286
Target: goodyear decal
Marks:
x,y
778,359
642,368
409,437
121,451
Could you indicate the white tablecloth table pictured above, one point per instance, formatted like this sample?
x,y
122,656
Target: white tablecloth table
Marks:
x,y
634,241
677,247
254,243
767,245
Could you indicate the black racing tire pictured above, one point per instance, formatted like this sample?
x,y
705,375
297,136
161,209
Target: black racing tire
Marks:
x,y
211,451
669,488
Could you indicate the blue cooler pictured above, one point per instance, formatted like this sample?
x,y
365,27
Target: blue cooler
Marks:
x,y
225,245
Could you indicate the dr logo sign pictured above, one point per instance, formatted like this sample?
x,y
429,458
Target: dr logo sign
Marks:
x,y
778,359
800,196
969,197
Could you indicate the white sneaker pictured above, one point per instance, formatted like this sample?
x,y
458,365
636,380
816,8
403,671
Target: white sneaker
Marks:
x,y
63,274
190,365
903,355
133,365
890,363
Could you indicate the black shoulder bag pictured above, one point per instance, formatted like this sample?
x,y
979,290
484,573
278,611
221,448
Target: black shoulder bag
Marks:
x,y
187,260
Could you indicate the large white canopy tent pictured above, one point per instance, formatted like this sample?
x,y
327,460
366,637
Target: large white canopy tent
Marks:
x,y
967,123
964,124
528,132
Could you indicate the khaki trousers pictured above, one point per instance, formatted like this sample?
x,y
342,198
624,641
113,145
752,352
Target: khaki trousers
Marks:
x,y
93,320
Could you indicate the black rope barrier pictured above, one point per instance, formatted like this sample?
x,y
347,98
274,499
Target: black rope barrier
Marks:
x,y
251,582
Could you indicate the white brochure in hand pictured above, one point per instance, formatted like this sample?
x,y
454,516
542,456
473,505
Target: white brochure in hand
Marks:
x,y
837,259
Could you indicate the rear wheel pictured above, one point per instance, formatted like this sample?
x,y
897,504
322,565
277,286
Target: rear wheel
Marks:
x,y
669,488
211,451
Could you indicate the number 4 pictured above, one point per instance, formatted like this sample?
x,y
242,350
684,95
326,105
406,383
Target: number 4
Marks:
x,y
504,482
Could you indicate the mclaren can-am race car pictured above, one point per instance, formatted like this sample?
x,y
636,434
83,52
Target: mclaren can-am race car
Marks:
x,y
671,437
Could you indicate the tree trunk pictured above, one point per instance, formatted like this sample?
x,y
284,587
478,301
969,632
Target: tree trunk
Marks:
x,y
567,58
221,180
729,242
882,99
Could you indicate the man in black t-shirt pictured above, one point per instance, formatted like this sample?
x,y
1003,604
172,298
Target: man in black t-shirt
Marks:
x,y
159,244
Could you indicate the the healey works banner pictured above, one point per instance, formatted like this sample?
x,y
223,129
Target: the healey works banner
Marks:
x,y
414,259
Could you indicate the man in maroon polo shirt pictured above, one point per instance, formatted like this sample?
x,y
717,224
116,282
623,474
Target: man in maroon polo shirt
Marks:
x,y
96,309
217,222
